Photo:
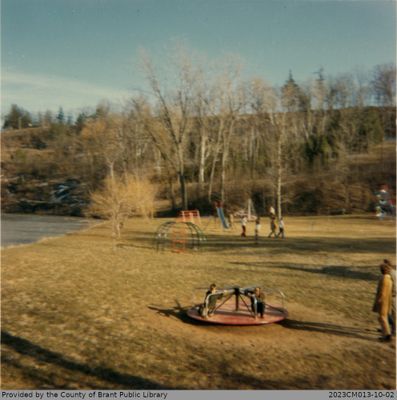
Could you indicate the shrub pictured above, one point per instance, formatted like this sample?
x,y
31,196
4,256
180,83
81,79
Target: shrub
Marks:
x,y
120,199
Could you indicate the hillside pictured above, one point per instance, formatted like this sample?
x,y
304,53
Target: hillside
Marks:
x,y
45,172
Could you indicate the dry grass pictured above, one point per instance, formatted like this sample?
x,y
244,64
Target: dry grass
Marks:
x,y
76,314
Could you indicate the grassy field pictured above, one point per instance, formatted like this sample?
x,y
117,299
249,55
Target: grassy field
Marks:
x,y
79,314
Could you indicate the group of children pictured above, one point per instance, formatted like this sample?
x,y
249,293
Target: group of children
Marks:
x,y
273,226
384,304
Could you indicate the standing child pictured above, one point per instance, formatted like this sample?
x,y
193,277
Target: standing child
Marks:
x,y
257,228
230,219
244,226
273,227
281,228
258,304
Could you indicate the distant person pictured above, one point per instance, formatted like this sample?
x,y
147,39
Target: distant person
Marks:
x,y
281,228
272,211
215,215
257,228
244,226
230,220
258,304
273,227
383,300
392,315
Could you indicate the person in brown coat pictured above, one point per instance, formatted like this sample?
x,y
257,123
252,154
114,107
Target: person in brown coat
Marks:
x,y
383,300
392,316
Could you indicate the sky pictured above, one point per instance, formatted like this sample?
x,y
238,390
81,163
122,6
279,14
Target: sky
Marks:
x,y
76,53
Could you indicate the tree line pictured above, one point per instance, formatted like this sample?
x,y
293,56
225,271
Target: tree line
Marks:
x,y
202,135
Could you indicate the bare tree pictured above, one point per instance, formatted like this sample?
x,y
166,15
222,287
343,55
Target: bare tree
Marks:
x,y
173,116
139,155
232,103
384,89
262,101
203,110
279,131
384,85
284,127
121,198
227,109
102,138
215,143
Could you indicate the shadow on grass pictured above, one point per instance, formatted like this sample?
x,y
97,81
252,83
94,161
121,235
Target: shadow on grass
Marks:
x,y
333,270
41,355
358,333
177,312
302,245
247,381
295,245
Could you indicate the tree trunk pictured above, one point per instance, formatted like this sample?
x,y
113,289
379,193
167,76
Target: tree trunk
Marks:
x,y
181,176
171,190
223,174
214,160
279,176
212,175
182,183
226,141
251,156
202,160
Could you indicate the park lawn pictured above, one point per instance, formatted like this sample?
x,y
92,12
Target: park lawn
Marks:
x,y
81,313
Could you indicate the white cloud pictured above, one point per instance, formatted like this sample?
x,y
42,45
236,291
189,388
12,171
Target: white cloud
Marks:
x,y
38,93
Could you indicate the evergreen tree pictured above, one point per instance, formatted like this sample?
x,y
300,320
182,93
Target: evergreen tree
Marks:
x,y
80,121
61,116
369,129
17,118
292,96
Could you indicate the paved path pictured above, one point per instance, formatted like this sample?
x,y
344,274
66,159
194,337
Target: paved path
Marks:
x,y
29,228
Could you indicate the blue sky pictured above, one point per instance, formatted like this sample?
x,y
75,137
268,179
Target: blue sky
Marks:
x,y
74,53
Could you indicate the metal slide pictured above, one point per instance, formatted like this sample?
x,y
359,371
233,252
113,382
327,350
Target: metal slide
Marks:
x,y
221,216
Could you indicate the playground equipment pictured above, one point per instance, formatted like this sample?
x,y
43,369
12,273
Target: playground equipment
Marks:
x,y
222,218
178,236
192,216
233,307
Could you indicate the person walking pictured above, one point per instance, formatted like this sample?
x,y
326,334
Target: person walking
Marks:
x,y
273,227
383,300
